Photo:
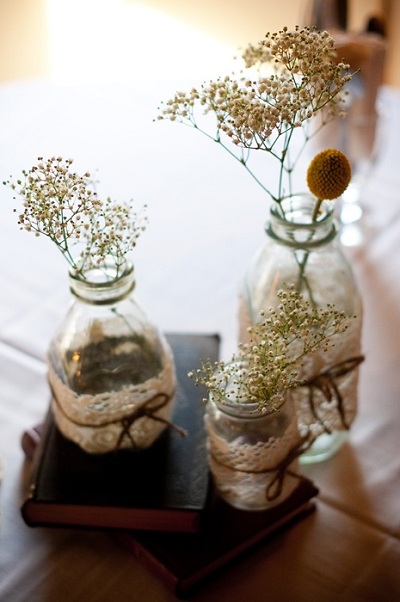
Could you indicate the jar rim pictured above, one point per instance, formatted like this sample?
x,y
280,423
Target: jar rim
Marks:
x,y
110,287
301,233
305,201
102,276
251,410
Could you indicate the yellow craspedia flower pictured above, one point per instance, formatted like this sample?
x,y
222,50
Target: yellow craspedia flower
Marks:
x,y
329,174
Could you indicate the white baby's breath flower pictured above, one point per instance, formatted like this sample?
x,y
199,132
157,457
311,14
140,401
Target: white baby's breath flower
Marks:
x,y
299,77
64,206
271,362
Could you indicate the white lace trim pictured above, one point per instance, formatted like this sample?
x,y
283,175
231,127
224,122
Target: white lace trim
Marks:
x,y
241,471
94,421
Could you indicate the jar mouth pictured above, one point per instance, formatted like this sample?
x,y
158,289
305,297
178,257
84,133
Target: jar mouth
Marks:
x,y
292,224
243,409
102,275
298,210
102,285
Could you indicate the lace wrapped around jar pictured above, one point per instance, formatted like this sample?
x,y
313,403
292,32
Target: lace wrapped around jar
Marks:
x,y
252,454
306,254
110,370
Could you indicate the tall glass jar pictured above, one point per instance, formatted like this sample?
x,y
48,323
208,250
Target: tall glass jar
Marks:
x,y
111,372
307,254
252,454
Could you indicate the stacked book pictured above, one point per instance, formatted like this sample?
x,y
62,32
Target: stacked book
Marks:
x,y
160,500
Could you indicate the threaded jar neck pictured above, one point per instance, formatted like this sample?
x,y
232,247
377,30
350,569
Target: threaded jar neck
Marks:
x,y
296,227
231,401
102,286
241,410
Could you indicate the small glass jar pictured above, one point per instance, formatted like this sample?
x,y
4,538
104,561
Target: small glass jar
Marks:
x,y
306,253
252,454
110,370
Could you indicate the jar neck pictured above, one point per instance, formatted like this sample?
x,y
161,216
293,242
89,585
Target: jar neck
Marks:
x,y
102,286
291,223
247,410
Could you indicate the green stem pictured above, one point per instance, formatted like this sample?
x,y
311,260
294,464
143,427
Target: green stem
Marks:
x,y
303,278
303,263
240,160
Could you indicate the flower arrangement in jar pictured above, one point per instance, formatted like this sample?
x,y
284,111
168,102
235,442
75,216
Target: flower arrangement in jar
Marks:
x,y
297,81
254,438
111,372
292,84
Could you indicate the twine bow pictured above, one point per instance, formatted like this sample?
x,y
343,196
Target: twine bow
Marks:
x,y
283,468
325,382
149,412
274,488
147,409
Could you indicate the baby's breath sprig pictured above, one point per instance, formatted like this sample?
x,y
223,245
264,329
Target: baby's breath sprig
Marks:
x,y
271,361
261,113
64,206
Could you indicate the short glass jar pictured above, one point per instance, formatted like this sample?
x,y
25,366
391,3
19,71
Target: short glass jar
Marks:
x,y
252,454
110,370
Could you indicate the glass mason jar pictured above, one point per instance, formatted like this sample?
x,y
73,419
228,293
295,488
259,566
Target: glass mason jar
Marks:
x,y
252,455
308,255
111,372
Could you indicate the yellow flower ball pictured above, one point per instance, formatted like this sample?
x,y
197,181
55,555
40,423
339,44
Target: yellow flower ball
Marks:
x,y
329,174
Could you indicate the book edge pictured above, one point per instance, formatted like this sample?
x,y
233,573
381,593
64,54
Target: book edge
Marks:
x,y
184,585
37,514
37,463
